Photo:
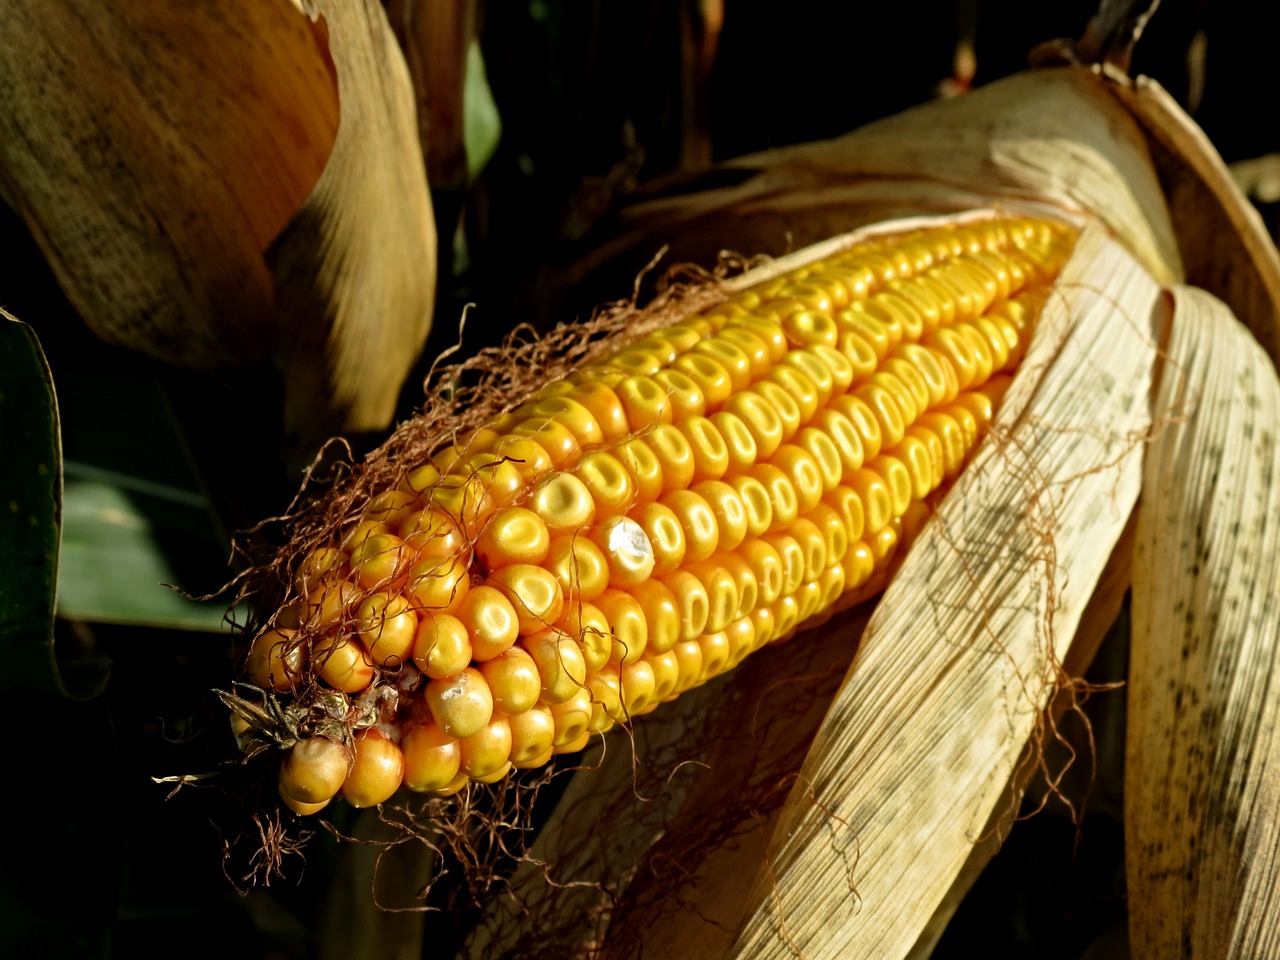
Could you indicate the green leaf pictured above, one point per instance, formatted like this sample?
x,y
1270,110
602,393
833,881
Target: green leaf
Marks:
x,y
113,567
31,501
481,125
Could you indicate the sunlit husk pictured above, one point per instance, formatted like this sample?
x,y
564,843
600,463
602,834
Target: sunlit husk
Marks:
x,y
919,765
1203,766
1057,138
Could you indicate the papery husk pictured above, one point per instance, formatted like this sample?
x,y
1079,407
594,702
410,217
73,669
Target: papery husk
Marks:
x,y
1054,137
155,150
216,184
679,864
1223,242
355,271
963,653
1202,779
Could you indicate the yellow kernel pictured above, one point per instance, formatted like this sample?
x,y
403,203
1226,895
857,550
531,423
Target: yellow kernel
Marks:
x,y
666,535
858,352
431,758
488,750
715,654
848,505
666,674
552,436
567,412
275,660
606,699
636,361
314,769
637,685
588,625
376,772
646,403
438,583
886,411
578,565
343,664
701,534
710,376
753,346
806,327
813,546
722,593
560,664
609,483
563,502
734,360
490,621
627,550
804,473
323,563
572,717
605,408
461,704
831,525
529,458
387,626
512,535
691,597
783,502
627,623
766,568
513,679
760,419
688,654
741,634
644,468
532,733
330,603
800,388
442,646
433,532
661,615
672,449
535,593
729,511
793,560
783,403
684,395
740,442
710,451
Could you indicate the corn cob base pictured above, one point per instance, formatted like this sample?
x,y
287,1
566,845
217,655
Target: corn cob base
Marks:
x,y
638,527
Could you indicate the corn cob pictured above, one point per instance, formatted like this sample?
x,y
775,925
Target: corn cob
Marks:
x,y
640,526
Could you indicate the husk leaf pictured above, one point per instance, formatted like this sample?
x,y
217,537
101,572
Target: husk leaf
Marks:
x,y
355,269
155,150
1054,137
1202,779
1224,245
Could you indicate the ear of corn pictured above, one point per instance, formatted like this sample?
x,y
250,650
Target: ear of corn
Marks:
x,y
638,528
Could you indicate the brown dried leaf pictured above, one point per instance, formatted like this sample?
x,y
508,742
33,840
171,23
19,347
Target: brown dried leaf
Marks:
x,y
355,269
155,150
1222,240
1202,781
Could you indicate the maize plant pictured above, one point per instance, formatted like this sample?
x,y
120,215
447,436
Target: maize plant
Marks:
x,y
1022,364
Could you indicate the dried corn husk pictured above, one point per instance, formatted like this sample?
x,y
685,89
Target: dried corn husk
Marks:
x,y
1203,767
915,771
218,184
